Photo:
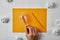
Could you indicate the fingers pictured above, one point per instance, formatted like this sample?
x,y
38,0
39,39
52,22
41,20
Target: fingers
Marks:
x,y
35,32
29,30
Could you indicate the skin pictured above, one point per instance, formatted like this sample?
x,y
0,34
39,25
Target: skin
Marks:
x,y
31,33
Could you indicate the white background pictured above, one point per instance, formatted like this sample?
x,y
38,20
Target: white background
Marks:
x,y
6,11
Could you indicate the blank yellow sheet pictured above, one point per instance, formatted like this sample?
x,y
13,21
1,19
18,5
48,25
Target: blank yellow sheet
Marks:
x,y
37,18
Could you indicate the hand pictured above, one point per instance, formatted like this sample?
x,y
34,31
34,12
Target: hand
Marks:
x,y
31,33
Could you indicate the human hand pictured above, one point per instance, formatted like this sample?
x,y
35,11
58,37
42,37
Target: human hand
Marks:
x,y
31,33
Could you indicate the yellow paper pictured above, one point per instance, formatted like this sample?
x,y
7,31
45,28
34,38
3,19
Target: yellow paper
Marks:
x,y
37,18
